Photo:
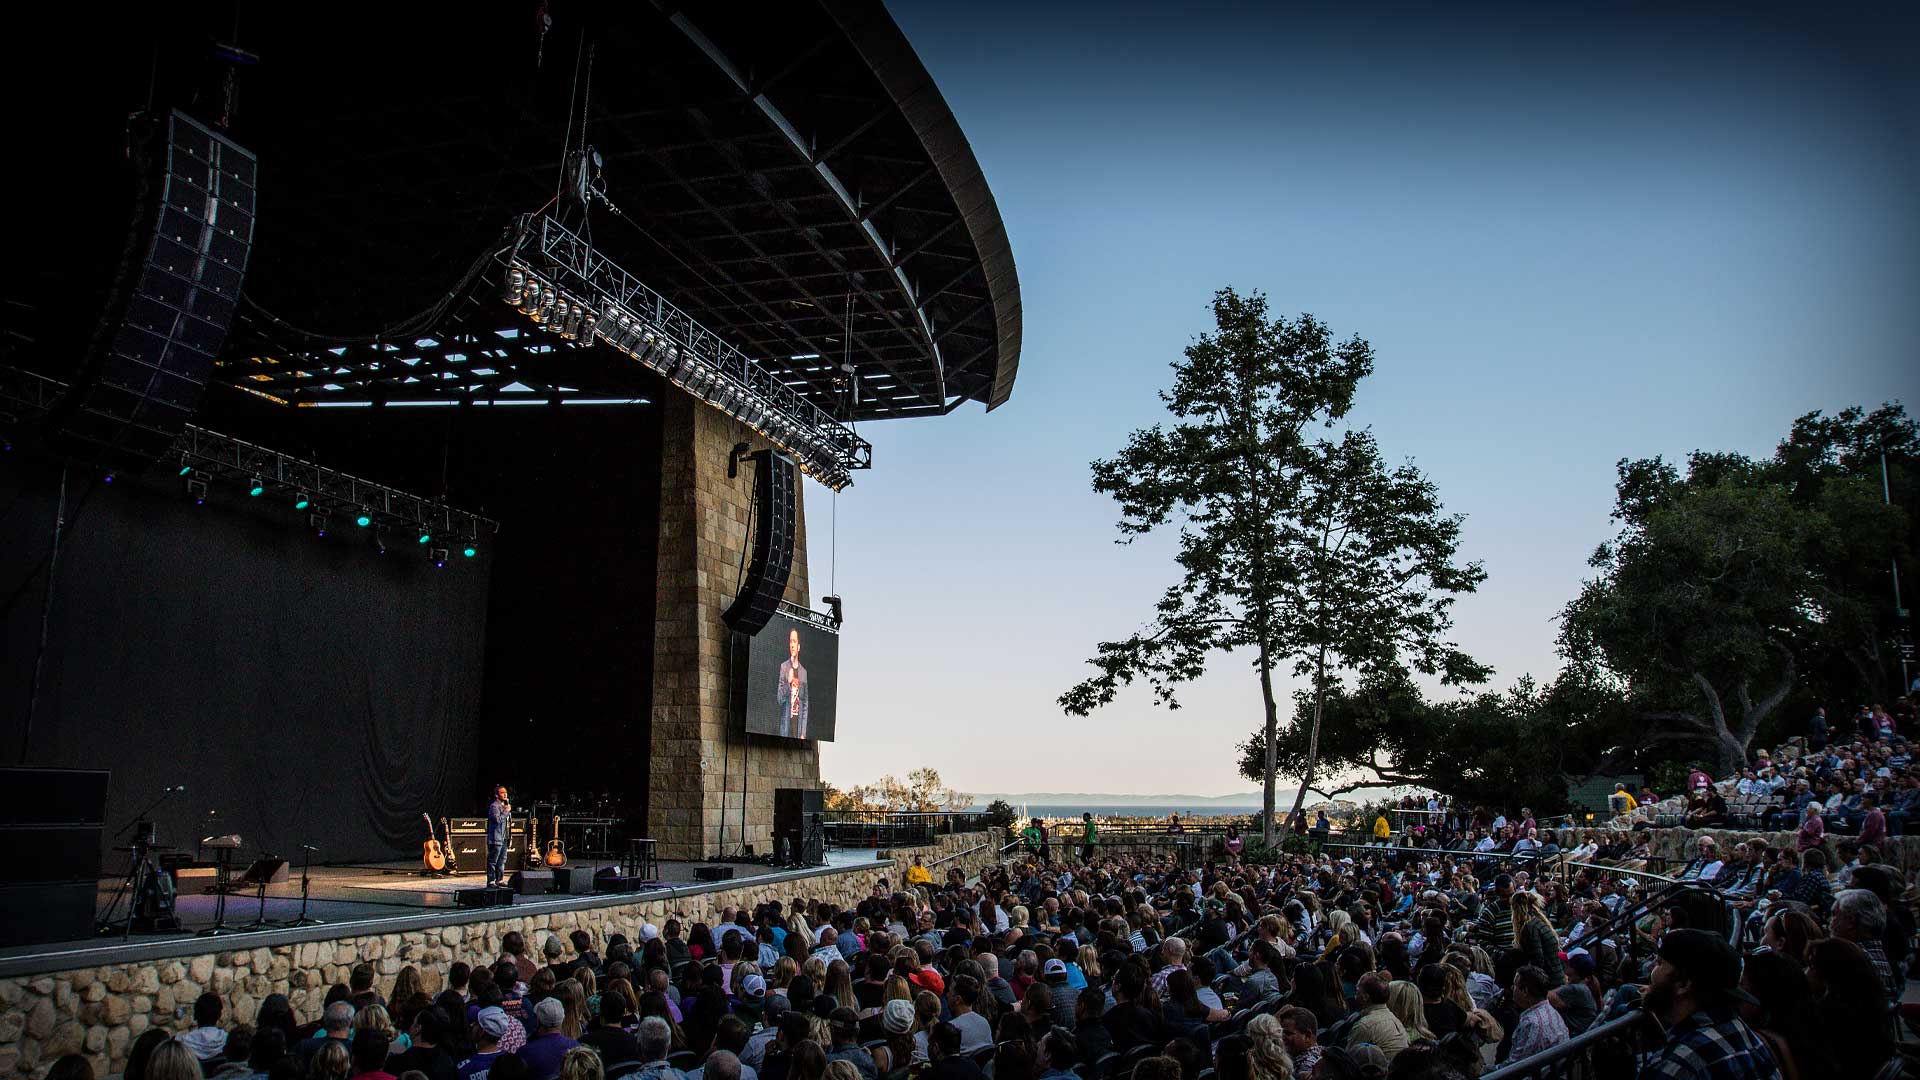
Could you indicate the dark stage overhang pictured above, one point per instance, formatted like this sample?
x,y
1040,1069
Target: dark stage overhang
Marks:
x,y
787,175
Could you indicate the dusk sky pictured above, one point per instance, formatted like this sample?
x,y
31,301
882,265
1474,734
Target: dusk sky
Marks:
x,y
1568,241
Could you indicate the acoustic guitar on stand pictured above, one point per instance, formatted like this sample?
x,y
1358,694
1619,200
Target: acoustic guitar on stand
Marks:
x,y
432,855
556,856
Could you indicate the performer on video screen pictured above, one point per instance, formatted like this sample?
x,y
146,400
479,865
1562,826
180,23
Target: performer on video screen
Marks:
x,y
791,696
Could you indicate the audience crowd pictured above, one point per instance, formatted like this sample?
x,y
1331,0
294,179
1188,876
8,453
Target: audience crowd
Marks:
x,y
1111,965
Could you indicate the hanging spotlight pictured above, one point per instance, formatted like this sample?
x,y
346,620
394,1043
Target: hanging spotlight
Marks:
x,y
425,536
469,551
378,537
438,556
301,501
561,309
257,487
515,284
107,477
364,518
530,299
588,324
317,521
196,486
549,300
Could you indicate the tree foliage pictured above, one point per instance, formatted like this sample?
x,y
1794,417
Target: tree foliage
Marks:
x,y
922,791
1307,552
1517,747
1727,583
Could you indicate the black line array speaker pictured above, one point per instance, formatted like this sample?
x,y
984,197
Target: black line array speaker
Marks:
x,y
171,304
50,827
776,492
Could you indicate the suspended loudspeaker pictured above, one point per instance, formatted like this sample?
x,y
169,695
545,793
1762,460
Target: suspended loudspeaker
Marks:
x,y
171,305
777,493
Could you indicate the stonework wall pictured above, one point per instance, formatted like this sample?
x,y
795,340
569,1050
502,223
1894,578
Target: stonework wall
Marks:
x,y
99,1011
697,763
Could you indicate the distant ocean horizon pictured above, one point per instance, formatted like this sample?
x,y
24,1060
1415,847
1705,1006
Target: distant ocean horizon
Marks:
x,y
1058,811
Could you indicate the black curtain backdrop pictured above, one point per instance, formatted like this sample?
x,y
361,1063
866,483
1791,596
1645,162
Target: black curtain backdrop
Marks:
x,y
305,690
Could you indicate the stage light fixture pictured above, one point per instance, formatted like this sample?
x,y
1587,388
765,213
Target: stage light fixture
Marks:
x,y
515,285
257,487
185,470
364,518
561,309
317,521
469,551
425,536
301,501
196,486
107,477
438,557
378,537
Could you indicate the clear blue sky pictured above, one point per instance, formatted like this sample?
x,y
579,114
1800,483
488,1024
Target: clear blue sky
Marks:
x,y
1569,240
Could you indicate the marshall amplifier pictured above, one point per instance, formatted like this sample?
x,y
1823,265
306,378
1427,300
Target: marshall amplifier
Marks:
x,y
469,837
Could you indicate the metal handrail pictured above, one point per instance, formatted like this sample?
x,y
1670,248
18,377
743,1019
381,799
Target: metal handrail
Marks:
x,y
1537,1066
955,855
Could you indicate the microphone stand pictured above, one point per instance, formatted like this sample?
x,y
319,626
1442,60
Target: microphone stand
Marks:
x,y
306,864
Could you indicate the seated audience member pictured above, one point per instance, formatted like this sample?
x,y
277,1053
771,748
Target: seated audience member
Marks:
x,y
206,1041
489,1026
370,1047
549,1044
943,1044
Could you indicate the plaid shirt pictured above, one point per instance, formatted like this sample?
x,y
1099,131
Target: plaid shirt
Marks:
x,y
1811,888
1877,953
1711,1046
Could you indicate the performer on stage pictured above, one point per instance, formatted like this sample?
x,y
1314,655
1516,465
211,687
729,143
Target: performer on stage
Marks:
x,y
791,696
499,821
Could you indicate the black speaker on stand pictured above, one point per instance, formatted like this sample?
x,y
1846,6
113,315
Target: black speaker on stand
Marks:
x,y
798,829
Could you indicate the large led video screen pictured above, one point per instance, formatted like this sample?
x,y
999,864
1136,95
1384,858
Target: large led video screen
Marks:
x,y
793,674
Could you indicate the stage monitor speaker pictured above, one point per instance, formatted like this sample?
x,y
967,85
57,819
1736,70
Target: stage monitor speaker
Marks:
x,y
491,896
776,494
713,873
171,303
531,882
574,880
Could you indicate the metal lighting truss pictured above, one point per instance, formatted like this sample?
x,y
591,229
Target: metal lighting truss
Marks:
x,y
558,280
197,450
329,490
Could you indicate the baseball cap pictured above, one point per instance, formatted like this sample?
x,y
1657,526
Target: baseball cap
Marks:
x,y
753,986
897,1018
1054,967
649,932
1707,960
493,1020
550,1013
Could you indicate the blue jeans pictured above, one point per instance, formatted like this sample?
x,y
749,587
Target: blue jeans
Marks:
x,y
496,861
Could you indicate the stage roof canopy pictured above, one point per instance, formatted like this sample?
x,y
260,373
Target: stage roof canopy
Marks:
x,y
788,174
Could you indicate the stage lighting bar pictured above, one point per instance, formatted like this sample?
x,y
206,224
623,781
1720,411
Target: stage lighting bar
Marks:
x,y
558,280
202,458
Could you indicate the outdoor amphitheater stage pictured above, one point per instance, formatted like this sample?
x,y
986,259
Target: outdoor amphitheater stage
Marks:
x,y
377,898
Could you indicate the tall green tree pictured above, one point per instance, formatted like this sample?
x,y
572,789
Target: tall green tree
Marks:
x,y
1728,582
1308,552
